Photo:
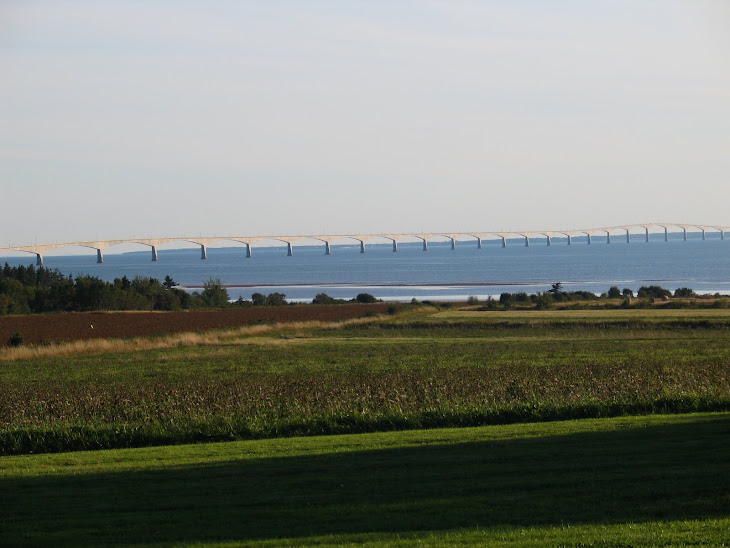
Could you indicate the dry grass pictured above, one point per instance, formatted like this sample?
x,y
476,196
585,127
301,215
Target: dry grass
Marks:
x,y
599,314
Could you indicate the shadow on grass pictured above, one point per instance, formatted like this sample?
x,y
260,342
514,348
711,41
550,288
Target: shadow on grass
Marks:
x,y
668,472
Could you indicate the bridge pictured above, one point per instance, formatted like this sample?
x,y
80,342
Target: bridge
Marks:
x,y
621,232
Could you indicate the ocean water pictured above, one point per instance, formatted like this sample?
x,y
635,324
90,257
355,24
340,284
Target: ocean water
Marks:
x,y
439,273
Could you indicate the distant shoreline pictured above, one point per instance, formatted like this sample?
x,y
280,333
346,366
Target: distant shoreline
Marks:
x,y
429,284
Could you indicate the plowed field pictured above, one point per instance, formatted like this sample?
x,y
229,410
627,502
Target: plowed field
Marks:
x,y
96,325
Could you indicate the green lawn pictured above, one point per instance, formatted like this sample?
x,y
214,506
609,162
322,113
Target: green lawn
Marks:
x,y
630,481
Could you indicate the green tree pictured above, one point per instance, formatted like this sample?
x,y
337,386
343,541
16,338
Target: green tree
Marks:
x,y
214,294
556,288
275,299
323,298
506,298
614,292
366,298
544,301
653,292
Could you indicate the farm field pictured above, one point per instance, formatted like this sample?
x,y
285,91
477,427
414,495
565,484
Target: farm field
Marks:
x,y
422,368
579,428
75,326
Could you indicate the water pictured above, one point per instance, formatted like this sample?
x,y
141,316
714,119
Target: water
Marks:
x,y
439,273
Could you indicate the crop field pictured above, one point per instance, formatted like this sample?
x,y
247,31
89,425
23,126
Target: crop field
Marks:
x,y
436,425
420,369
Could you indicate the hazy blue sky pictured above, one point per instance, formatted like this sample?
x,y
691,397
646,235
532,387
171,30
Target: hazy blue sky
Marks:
x,y
130,118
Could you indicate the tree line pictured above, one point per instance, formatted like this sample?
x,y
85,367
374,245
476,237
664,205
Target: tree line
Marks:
x,y
29,290
32,290
646,295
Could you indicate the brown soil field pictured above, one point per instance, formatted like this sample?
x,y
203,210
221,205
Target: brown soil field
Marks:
x,y
101,325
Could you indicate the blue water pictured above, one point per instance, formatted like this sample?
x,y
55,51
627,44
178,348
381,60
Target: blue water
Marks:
x,y
439,273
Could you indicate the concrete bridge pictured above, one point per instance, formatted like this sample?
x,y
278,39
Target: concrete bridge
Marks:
x,y
623,233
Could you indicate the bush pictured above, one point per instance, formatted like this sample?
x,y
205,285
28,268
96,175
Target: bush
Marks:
x,y
272,299
582,296
323,298
544,301
472,300
614,292
366,298
491,303
276,299
653,292
684,292
16,339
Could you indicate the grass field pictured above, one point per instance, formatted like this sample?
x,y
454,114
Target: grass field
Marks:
x,y
647,464
424,369
647,481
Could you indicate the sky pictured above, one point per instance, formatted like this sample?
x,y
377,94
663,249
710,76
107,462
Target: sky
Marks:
x,y
125,118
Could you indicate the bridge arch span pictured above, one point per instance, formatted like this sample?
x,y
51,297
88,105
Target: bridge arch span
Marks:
x,y
479,236
568,236
393,238
353,237
526,236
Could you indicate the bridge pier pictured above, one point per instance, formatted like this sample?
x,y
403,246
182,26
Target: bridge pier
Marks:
x,y
479,243
425,244
38,259
155,258
608,237
685,234
289,250
248,251
589,239
570,240
549,241
722,234
203,252
327,250
99,256
628,237
362,246
666,234
647,233
395,246
703,233
504,241
453,243
527,241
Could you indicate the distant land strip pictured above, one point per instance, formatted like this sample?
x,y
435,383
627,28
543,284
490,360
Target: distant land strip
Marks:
x,y
389,284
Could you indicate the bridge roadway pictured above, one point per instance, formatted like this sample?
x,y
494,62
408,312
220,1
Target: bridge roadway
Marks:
x,y
154,243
